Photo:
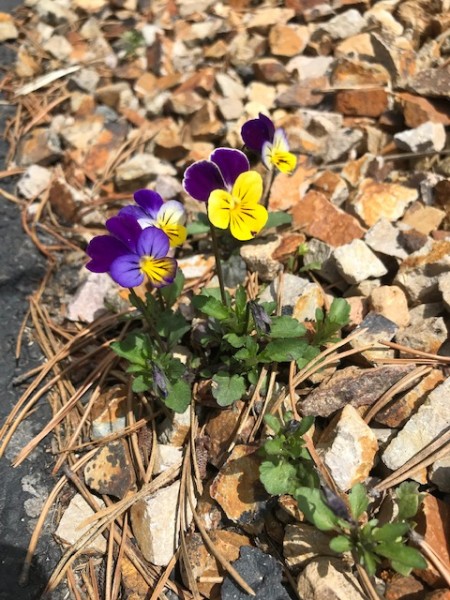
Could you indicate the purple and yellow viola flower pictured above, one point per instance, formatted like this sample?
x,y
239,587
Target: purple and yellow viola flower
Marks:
x,y
231,190
131,254
152,211
261,136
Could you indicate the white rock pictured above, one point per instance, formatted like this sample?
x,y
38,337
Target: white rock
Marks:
x,y
88,302
155,523
86,79
350,452
302,542
428,136
174,429
344,25
344,140
292,287
167,456
142,167
440,474
356,262
34,181
309,301
8,31
55,12
327,578
70,530
230,108
427,424
58,47
309,67
230,87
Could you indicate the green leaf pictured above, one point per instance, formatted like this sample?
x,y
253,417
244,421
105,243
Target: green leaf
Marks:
x,y
404,555
172,292
310,353
390,532
273,447
179,396
277,478
172,327
286,327
283,350
236,341
240,300
272,422
200,226
278,218
340,544
227,388
136,348
408,500
211,307
305,424
312,266
312,505
369,561
339,312
358,500
141,383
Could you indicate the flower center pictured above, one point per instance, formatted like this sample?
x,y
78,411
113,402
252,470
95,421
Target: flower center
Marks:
x,y
147,264
234,202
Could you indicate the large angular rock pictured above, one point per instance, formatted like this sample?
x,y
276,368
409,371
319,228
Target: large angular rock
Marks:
x,y
376,200
352,385
356,262
70,528
348,448
327,578
427,424
302,542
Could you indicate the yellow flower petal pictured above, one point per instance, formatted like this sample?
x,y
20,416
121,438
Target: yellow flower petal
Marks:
x,y
248,188
160,271
277,154
219,205
283,161
246,222
177,234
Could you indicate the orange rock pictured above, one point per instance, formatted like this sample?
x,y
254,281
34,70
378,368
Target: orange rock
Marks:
x,y
349,73
362,103
318,218
418,110
221,428
401,587
424,219
332,186
288,246
237,487
433,523
288,40
110,470
375,201
285,191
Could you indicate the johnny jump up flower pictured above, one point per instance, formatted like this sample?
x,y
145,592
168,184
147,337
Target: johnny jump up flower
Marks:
x,y
152,211
261,136
131,254
231,190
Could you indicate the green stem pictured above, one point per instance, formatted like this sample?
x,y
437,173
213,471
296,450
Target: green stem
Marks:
x,y
269,182
218,264
142,307
162,304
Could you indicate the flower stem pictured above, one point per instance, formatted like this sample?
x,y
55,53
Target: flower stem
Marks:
x,y
269,182
218,264
142,307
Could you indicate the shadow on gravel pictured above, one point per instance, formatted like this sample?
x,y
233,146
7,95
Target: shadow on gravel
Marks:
x,y
11,562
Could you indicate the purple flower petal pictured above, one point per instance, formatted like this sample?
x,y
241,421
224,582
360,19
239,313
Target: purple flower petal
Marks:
x,y
231,164
103,250
126,229
126,271
133,211
257,131
201,178
149,201
153,242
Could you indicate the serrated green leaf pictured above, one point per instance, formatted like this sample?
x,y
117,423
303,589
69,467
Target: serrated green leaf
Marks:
x,y
227,388
358,501
276,219
312,505
310,353
179,396
272,422
277,478
390,532
340,544
283,350
405,555
211,307
286,327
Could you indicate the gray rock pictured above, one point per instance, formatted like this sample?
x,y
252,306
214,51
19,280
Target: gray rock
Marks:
x,y
328,578
263,574
292,287
352,385
356,262
141,169
320,252
88,303
444,288
257,255
86,79
377,328
426,335
440,474
383,237
426,137
342,142
427,424
344,25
